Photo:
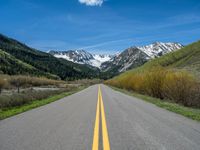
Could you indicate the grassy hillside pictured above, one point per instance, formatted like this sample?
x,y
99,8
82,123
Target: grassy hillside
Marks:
x,y
174,76
13,66
26,60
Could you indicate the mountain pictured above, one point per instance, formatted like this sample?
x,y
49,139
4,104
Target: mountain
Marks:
x,y
136,56
158,49
82,57
187,58
18,58
11,65
130,58
173,77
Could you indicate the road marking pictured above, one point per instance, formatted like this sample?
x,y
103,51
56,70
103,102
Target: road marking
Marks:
x,y
100,107
96,128
106,143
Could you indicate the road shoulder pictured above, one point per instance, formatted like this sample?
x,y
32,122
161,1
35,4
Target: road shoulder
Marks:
x,y
36,103
192,113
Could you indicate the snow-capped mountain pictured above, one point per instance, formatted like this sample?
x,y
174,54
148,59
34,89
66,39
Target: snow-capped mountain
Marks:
x,y
137,56
82,57
128,59
158,48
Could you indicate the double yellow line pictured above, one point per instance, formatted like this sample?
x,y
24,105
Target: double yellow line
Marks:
x,y
100,109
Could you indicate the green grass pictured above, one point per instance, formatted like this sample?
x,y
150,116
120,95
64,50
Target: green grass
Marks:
x,y
191,113
17,110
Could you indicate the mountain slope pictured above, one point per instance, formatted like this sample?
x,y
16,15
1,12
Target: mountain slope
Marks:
x,y
45,62
187,58
130,58
11,65
82,57
136,56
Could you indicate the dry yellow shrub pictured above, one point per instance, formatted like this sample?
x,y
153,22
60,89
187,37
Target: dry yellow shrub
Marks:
x,y
159,82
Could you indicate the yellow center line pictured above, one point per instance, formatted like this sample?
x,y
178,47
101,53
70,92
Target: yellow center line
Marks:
x,y
106,143
100,107
96,128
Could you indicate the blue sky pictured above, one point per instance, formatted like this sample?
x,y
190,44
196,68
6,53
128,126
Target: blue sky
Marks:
x,y
99,26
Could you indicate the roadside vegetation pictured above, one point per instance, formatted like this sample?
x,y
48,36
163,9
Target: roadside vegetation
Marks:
x,y
173,77
21,81
2,84
192,113
25,97
163,83
20,93
8,111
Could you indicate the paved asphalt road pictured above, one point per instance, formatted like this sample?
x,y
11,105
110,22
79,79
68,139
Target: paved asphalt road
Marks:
x,y
68,124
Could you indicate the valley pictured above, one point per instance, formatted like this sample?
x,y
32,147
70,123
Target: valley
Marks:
x,y
18,58
149,70
100,75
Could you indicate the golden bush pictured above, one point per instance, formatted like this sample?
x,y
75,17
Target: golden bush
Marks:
x,y
179,86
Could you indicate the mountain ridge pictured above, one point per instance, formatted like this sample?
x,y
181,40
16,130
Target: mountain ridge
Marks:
x,y
82,57
121,62
134,57
75,64
157,49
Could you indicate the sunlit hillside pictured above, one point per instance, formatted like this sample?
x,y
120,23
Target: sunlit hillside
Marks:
x,y
174,76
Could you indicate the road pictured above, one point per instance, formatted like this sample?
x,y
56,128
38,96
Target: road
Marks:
x,y
99,118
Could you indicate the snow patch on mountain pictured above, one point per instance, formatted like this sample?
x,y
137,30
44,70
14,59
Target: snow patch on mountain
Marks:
x,y
158,48
63,56
82,57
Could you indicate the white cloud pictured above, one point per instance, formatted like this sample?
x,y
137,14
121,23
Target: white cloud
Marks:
x,y
92,2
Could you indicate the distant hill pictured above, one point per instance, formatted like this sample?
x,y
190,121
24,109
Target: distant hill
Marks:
x,y
17,58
